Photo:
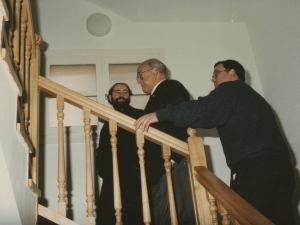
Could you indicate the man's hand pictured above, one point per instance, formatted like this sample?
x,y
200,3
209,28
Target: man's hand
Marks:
x,y
144,121
38,39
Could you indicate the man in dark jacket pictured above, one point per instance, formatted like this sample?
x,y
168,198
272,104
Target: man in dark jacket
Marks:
x,y
152,76
254,148
128,164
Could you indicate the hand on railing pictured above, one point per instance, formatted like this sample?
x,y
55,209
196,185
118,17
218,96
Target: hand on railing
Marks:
x,y
144,121
38,39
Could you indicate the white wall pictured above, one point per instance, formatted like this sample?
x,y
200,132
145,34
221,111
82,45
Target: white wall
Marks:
x,y
191,51
276,46
8,214
17,201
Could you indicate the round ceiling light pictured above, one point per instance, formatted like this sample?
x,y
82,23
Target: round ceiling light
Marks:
x,y
98,24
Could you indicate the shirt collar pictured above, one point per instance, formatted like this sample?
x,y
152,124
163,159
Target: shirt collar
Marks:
x,y
156,86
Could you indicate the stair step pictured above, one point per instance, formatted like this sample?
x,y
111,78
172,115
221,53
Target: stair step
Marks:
x,y
54,216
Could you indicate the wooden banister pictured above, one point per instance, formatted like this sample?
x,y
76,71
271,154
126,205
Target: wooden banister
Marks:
x,y
107,113
21,55
207,189
242,211
197,158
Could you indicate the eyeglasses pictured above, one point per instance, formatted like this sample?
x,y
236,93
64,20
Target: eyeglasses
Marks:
x,y
216,73
139,75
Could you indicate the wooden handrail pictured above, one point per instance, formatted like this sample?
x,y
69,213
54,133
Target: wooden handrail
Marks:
x,y
241,210
118,119
107,113
217,191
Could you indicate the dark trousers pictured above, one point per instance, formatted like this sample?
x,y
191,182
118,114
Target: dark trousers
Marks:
x,y
182,194
267,183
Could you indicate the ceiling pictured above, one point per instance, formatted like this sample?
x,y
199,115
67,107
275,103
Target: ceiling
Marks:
x,y
191,10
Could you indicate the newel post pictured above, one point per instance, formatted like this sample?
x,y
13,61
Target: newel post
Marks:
x,y
197,158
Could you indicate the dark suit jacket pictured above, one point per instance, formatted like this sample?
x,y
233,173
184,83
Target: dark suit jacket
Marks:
x,y
167,92
129,174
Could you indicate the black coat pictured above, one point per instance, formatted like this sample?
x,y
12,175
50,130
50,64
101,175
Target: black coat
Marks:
x,y
129,174
168,92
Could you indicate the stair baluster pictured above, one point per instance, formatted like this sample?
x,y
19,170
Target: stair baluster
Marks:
x,y
224,214
90,218
27,79
166,152
16,36
140,141
61,206
213,208
117,191
23,29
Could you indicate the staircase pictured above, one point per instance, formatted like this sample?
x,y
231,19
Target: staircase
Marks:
x,y
212,199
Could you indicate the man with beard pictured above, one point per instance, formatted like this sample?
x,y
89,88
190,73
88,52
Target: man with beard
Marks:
x,y
128,163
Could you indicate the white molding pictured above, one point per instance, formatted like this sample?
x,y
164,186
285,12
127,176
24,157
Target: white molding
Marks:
x,y
101,58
